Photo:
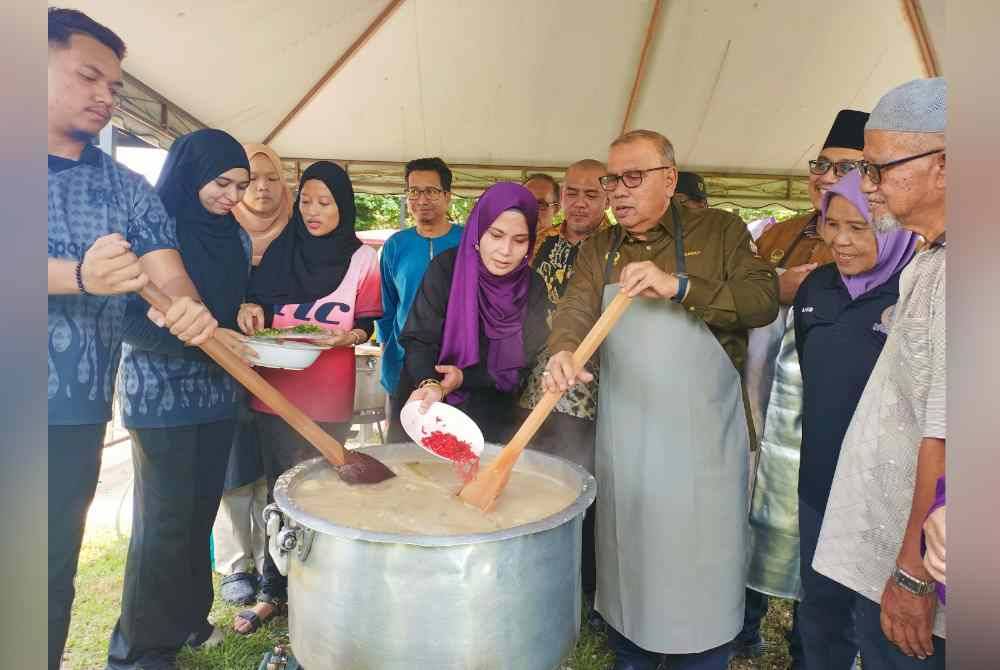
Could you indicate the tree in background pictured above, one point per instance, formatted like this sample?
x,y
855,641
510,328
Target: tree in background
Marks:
x,y
381,212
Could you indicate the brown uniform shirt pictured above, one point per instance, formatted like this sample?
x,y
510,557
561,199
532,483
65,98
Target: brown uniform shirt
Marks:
x,y
794,242
729,287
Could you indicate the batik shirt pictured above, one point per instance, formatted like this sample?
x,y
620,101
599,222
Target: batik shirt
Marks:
x,y
554,264
88,199
167,384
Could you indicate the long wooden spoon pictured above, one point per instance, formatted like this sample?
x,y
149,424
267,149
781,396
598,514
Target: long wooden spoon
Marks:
x,y
351,466
489,483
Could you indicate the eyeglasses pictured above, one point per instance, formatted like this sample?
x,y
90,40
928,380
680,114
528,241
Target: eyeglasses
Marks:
x,y
432,193
874,171
544,205
631,178
821,166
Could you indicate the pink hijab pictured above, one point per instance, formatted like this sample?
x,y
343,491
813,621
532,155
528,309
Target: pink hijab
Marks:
x,y
264,227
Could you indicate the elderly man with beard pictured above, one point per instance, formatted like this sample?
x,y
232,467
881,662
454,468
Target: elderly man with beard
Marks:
x,y
894,451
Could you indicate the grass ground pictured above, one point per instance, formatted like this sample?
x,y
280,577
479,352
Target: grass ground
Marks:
x,y
102,563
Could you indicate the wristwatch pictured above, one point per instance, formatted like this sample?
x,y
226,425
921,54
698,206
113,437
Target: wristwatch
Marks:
x,y
682,286
908,582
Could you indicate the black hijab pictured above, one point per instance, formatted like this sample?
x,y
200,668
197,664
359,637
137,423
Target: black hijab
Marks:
x,y
210,244
299,267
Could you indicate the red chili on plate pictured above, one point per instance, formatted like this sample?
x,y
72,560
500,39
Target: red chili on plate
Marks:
x,y
448,446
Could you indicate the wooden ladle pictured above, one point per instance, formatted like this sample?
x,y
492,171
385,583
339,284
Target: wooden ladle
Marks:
x,y
488,484
351,466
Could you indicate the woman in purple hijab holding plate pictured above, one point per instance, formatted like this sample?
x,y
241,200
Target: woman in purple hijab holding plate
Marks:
x,y
843,312
479,319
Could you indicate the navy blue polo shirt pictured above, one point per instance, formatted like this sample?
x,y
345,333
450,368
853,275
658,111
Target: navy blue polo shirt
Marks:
x,y
838,342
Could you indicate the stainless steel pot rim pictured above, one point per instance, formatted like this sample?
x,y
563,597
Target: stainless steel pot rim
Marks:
x,y
588,492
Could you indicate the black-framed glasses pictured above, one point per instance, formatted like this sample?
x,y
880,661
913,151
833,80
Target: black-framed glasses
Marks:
x,y
432,193
874,170
543,205
821,166
631,178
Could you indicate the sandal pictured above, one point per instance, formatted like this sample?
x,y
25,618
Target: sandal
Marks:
x,y
254,619
251,618
239,588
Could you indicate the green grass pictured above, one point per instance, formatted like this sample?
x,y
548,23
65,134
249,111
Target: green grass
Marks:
x,y
98,598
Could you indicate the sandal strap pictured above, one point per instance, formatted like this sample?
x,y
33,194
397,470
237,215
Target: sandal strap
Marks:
x,y
250,616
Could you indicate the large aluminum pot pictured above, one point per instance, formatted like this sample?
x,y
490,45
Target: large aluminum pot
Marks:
x,y
377,601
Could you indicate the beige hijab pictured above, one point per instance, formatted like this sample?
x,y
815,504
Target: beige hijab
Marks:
x,y
264,226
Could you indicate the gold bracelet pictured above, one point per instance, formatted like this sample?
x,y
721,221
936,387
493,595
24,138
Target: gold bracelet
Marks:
x,y
431,382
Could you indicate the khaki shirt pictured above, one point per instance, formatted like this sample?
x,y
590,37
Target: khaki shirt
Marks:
x,y
794,242
729,287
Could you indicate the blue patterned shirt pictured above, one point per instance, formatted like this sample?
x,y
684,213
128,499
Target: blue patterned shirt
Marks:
x,y
168,384
87,199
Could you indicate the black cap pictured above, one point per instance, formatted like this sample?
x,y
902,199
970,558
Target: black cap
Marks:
x,y
691,185
848,131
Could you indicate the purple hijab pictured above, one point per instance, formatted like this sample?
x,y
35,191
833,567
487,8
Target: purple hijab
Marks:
x,y
479,297
895,247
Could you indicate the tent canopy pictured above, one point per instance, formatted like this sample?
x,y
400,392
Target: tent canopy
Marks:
x,y
746,90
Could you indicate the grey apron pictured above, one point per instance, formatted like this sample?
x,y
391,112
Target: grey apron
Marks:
x,y
774,506
671,464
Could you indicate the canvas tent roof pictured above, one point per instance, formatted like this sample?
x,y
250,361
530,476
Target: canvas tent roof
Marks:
x,y
745,89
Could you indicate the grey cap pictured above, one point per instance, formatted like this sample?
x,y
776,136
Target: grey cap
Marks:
x,y
918,106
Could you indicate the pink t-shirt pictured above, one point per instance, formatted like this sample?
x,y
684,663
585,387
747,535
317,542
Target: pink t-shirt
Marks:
x,y
325,390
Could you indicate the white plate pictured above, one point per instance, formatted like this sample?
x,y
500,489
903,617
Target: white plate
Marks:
x,y
284,354
292,336
441,417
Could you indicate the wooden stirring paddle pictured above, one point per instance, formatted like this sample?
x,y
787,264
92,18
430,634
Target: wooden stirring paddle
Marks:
x,y
484,489
351,466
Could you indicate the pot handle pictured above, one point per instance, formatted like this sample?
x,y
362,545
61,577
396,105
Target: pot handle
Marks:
x,y
274,524
284,537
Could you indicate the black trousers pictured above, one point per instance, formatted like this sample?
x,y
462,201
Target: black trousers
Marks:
x,y
284,448
74,464
179,475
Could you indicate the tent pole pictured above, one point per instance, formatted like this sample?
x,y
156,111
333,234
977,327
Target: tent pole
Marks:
x,y
639,71
345,57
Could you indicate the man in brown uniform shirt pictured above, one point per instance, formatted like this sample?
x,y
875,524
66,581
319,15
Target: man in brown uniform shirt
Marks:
x,y
672,430
794,244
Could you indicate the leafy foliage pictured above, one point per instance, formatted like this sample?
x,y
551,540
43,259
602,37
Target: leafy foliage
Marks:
x,y
380,212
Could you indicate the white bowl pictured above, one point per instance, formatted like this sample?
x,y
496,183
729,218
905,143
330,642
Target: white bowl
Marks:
x,y
284,354
441,417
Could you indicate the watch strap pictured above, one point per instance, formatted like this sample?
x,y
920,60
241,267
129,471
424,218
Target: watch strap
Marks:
x,y
908,582
682,287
